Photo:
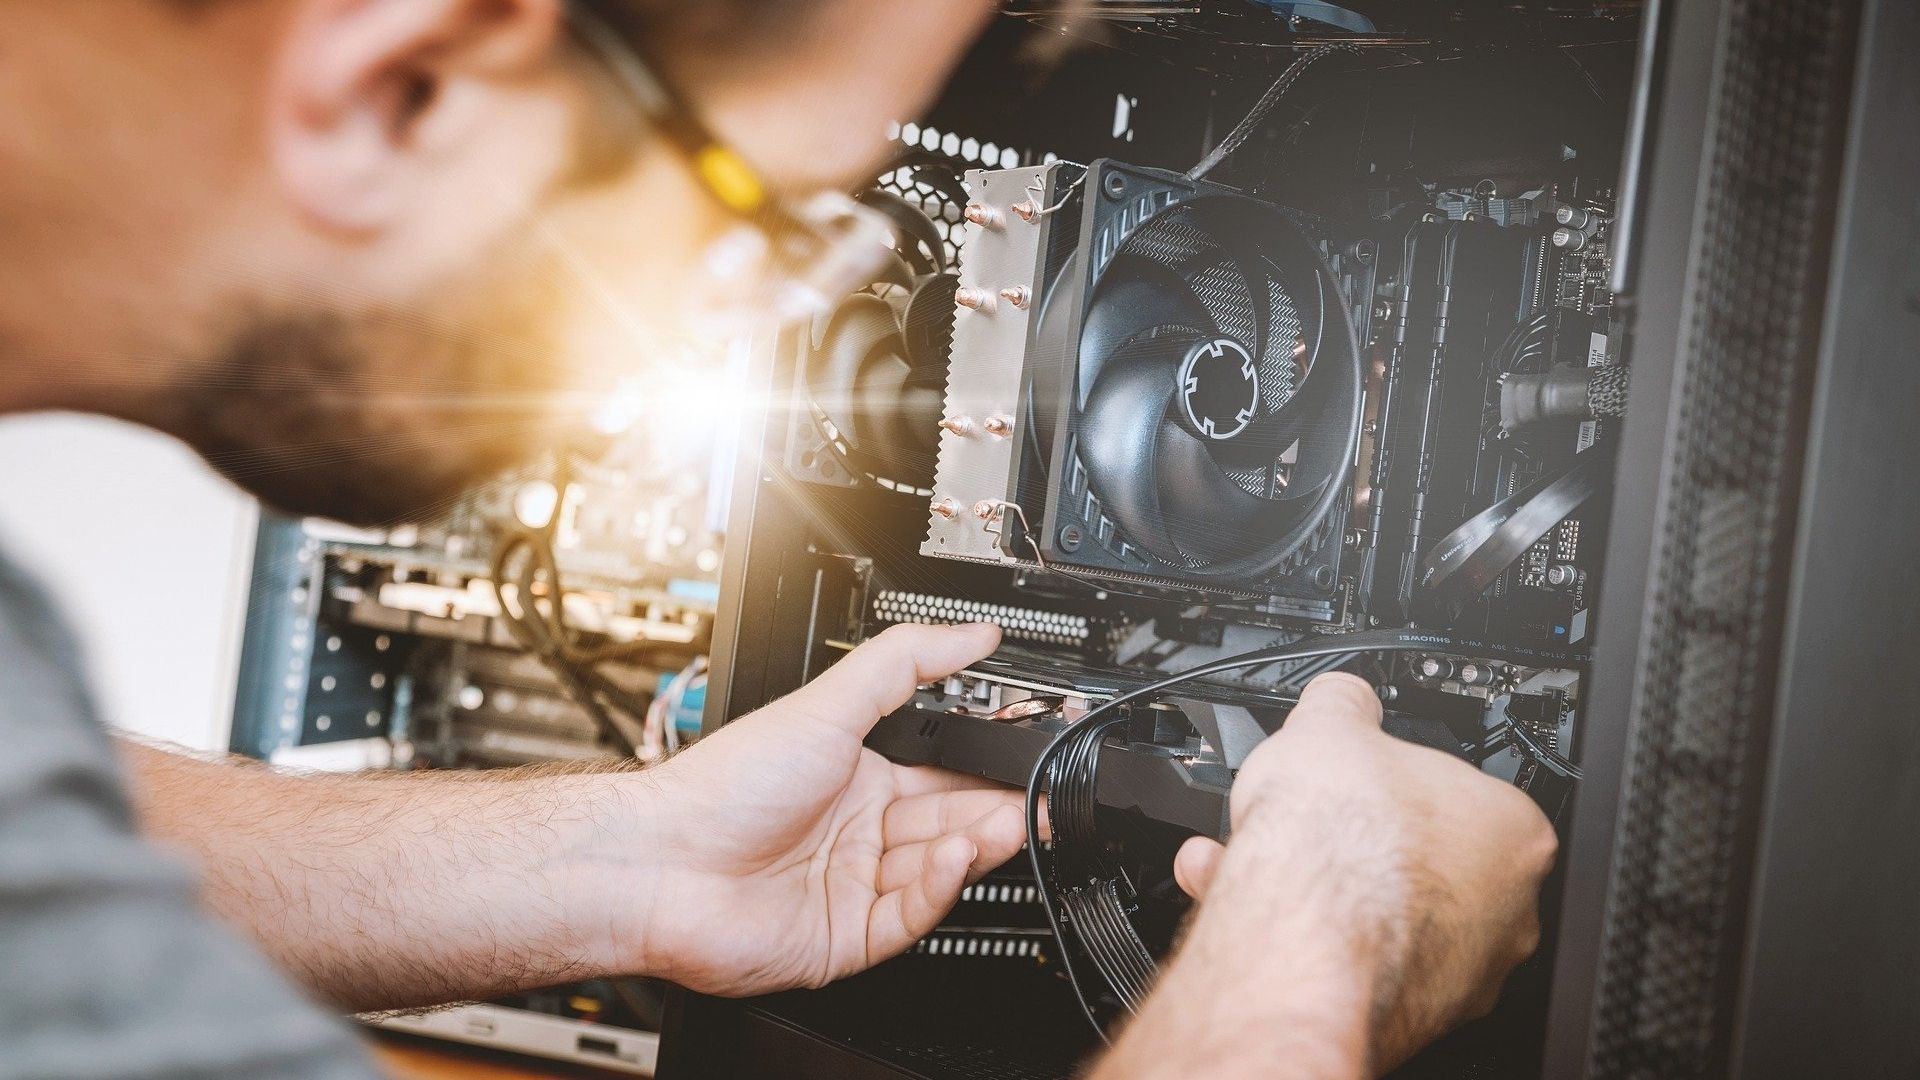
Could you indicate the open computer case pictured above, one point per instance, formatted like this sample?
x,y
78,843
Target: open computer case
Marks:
x,y
1584,335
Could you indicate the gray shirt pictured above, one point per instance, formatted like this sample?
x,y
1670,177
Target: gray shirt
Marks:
x,y
108,968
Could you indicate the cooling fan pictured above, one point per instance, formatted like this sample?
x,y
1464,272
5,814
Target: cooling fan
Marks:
x,y
1213,387
874,369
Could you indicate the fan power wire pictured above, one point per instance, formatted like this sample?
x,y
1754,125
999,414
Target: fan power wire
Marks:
x,y
1255,116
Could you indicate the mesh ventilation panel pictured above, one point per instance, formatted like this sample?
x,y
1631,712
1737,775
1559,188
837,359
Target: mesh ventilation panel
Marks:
x,y
1675,907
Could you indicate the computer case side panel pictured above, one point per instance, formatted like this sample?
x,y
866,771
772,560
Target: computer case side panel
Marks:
x,y
1749,126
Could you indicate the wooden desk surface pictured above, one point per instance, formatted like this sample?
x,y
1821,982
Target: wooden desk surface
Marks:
x,y
409,1057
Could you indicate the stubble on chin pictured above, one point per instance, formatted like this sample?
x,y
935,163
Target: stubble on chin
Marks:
x,y
376,418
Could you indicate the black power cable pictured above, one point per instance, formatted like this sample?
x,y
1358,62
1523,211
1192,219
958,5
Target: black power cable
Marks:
x,y
1255,116
1467,561
546,633
1526,341
547,636
1084,737
1542,753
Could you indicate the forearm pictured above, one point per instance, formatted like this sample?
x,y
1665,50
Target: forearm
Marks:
x,y
1226,1008
1209,1016
396,891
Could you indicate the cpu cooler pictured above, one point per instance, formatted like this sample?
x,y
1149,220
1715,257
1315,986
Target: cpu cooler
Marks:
x,y
1153,379
1208,384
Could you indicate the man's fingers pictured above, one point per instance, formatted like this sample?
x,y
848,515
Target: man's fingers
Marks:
x,y
923,817
909,913
1339,698
996,836
879,676
1195,864
899,866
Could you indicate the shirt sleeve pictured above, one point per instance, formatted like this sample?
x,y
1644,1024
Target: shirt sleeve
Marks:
x,y
108,966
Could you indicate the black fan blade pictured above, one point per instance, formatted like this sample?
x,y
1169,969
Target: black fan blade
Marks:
x,y
893,270
928,324
923,247
944,180
1208,516
859,376
1135,296
1240,252
1126,407
862,324
1322,416
892,420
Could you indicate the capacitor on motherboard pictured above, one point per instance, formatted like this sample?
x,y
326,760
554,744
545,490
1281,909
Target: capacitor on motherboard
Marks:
x,y
1476,675
1442,669
1569,239
1574,217
1561,575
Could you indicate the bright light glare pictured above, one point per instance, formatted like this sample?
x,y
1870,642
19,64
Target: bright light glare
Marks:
x,y
680,408
535,503
676,400
622,409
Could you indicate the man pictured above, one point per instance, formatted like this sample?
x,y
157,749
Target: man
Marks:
x,y
359,253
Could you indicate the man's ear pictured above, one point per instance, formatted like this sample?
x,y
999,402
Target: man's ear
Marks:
x,y
368,93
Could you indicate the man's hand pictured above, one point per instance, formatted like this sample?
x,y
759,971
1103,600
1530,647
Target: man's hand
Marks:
x,y
789,855
1374,894
777,853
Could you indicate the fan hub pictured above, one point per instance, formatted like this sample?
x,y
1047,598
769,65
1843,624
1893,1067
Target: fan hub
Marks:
x,y
1219,389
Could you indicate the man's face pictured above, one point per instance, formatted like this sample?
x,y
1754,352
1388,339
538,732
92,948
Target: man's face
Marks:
x,y
370,251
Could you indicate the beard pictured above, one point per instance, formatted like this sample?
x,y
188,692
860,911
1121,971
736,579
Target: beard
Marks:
x,y
375,419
